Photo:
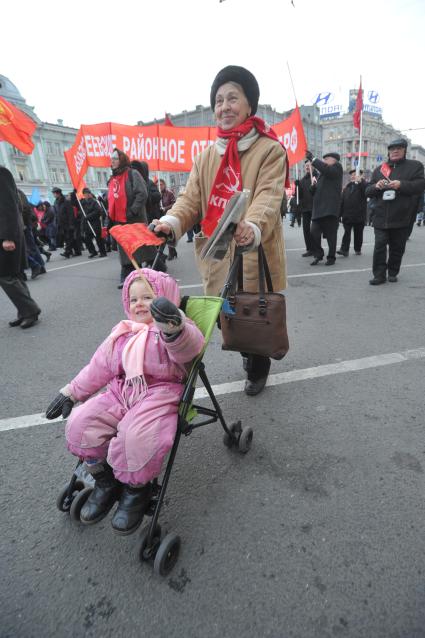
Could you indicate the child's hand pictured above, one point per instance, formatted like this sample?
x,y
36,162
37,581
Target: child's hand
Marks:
x,y
62,405
168,318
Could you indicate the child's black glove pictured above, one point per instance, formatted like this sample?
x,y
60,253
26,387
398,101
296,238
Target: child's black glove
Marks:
x,y
61,405
168,318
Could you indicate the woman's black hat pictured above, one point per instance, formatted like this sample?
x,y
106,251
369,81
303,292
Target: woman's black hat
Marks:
x,y
241,76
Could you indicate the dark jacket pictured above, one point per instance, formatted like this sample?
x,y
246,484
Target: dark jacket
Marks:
x,y
354,203
93,214
64,214
48,217
137,194
11,227
327,195
398,212
153,204
305,196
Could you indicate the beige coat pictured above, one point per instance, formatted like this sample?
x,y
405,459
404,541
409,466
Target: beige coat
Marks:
x,y
263,168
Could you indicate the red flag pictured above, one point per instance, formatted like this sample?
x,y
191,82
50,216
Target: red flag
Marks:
x,y
16,127
359,108
167,121
132,236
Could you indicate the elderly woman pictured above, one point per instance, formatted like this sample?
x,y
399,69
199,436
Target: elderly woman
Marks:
x,y
127,195
247,154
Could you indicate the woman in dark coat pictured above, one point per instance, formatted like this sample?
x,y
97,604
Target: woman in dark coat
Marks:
x,y
13,260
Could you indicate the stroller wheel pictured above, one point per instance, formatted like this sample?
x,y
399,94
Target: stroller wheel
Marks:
x,y
245,440
78,503
62,502
143,543
232,439
167,554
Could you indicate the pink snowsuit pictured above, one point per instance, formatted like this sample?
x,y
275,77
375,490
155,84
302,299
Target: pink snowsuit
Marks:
x,y
136,440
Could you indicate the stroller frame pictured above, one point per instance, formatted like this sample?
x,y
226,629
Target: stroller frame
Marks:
x,y
164,553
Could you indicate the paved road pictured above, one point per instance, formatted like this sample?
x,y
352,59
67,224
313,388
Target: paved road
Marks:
x,y
317,532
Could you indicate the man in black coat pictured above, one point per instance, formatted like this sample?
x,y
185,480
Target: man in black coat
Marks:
x,y
353,213
395,186
92,220
305,198
65,220
13,259
326,205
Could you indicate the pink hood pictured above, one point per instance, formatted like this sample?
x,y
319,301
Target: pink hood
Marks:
x,y
162,284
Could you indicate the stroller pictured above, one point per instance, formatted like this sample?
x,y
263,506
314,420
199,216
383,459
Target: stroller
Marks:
x,y
163,552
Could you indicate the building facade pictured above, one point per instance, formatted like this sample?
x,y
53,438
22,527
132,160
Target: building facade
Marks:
x,y
38,173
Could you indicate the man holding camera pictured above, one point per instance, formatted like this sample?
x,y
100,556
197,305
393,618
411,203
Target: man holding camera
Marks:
x,y
396,187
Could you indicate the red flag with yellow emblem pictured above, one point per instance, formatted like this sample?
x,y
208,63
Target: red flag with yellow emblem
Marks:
x,y
16,127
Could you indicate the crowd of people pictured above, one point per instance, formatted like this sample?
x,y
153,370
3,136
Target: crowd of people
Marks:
x,y
392,201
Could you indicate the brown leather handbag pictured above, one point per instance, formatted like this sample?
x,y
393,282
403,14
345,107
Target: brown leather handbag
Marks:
x,y
253,322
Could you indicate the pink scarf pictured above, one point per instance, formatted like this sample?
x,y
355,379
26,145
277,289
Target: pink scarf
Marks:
x,y
133,359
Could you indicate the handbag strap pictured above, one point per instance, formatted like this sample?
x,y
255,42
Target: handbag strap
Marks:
x,y
234,280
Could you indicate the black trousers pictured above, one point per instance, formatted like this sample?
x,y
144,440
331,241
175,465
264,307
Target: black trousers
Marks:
x,y
256,366
88,239
17,291
328,226
358,236
306,230
395,239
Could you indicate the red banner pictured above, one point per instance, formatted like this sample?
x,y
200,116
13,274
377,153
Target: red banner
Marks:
x,y
165,148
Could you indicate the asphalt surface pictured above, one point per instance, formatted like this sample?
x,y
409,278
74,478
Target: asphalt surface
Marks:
x,y
316,532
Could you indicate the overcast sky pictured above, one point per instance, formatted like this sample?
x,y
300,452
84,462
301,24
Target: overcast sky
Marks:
x,y
96,60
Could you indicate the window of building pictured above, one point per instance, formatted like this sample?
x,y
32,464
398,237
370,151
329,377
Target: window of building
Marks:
x,y
62,175
54,175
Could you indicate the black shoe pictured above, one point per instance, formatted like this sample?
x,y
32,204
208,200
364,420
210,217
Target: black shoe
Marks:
x,y
358,252
377,281
35,272
47,255
92,255
307,254
120,286
77,254
16,322
66,255
392,278
330,261
43,271
172,253
29,321
133,504
342,252
255,387
106,491
316,260
292,225
103,255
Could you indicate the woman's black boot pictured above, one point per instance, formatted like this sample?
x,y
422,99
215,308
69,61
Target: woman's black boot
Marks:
x,y
106,491
133,504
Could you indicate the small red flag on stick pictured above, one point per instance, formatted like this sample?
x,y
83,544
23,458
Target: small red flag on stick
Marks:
x,y
359,108
132,236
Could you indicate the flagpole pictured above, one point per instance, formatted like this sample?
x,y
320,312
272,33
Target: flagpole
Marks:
x,y
361,132
84,214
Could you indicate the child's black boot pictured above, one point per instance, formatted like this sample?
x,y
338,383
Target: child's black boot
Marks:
x,y
106,491
133,504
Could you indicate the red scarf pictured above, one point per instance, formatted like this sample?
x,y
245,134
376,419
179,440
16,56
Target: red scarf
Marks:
x,y
386,170
117,198
229,179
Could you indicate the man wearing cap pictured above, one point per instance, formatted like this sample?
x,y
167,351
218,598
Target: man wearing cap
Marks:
x,y
396,187
305,197
353,213
326,205
65,220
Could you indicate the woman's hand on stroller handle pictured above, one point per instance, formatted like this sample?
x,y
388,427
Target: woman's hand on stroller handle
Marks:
x,y
160,228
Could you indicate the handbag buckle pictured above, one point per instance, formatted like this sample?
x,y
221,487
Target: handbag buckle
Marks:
x,y
262,305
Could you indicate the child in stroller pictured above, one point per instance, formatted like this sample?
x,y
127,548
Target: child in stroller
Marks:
x,y
124,433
